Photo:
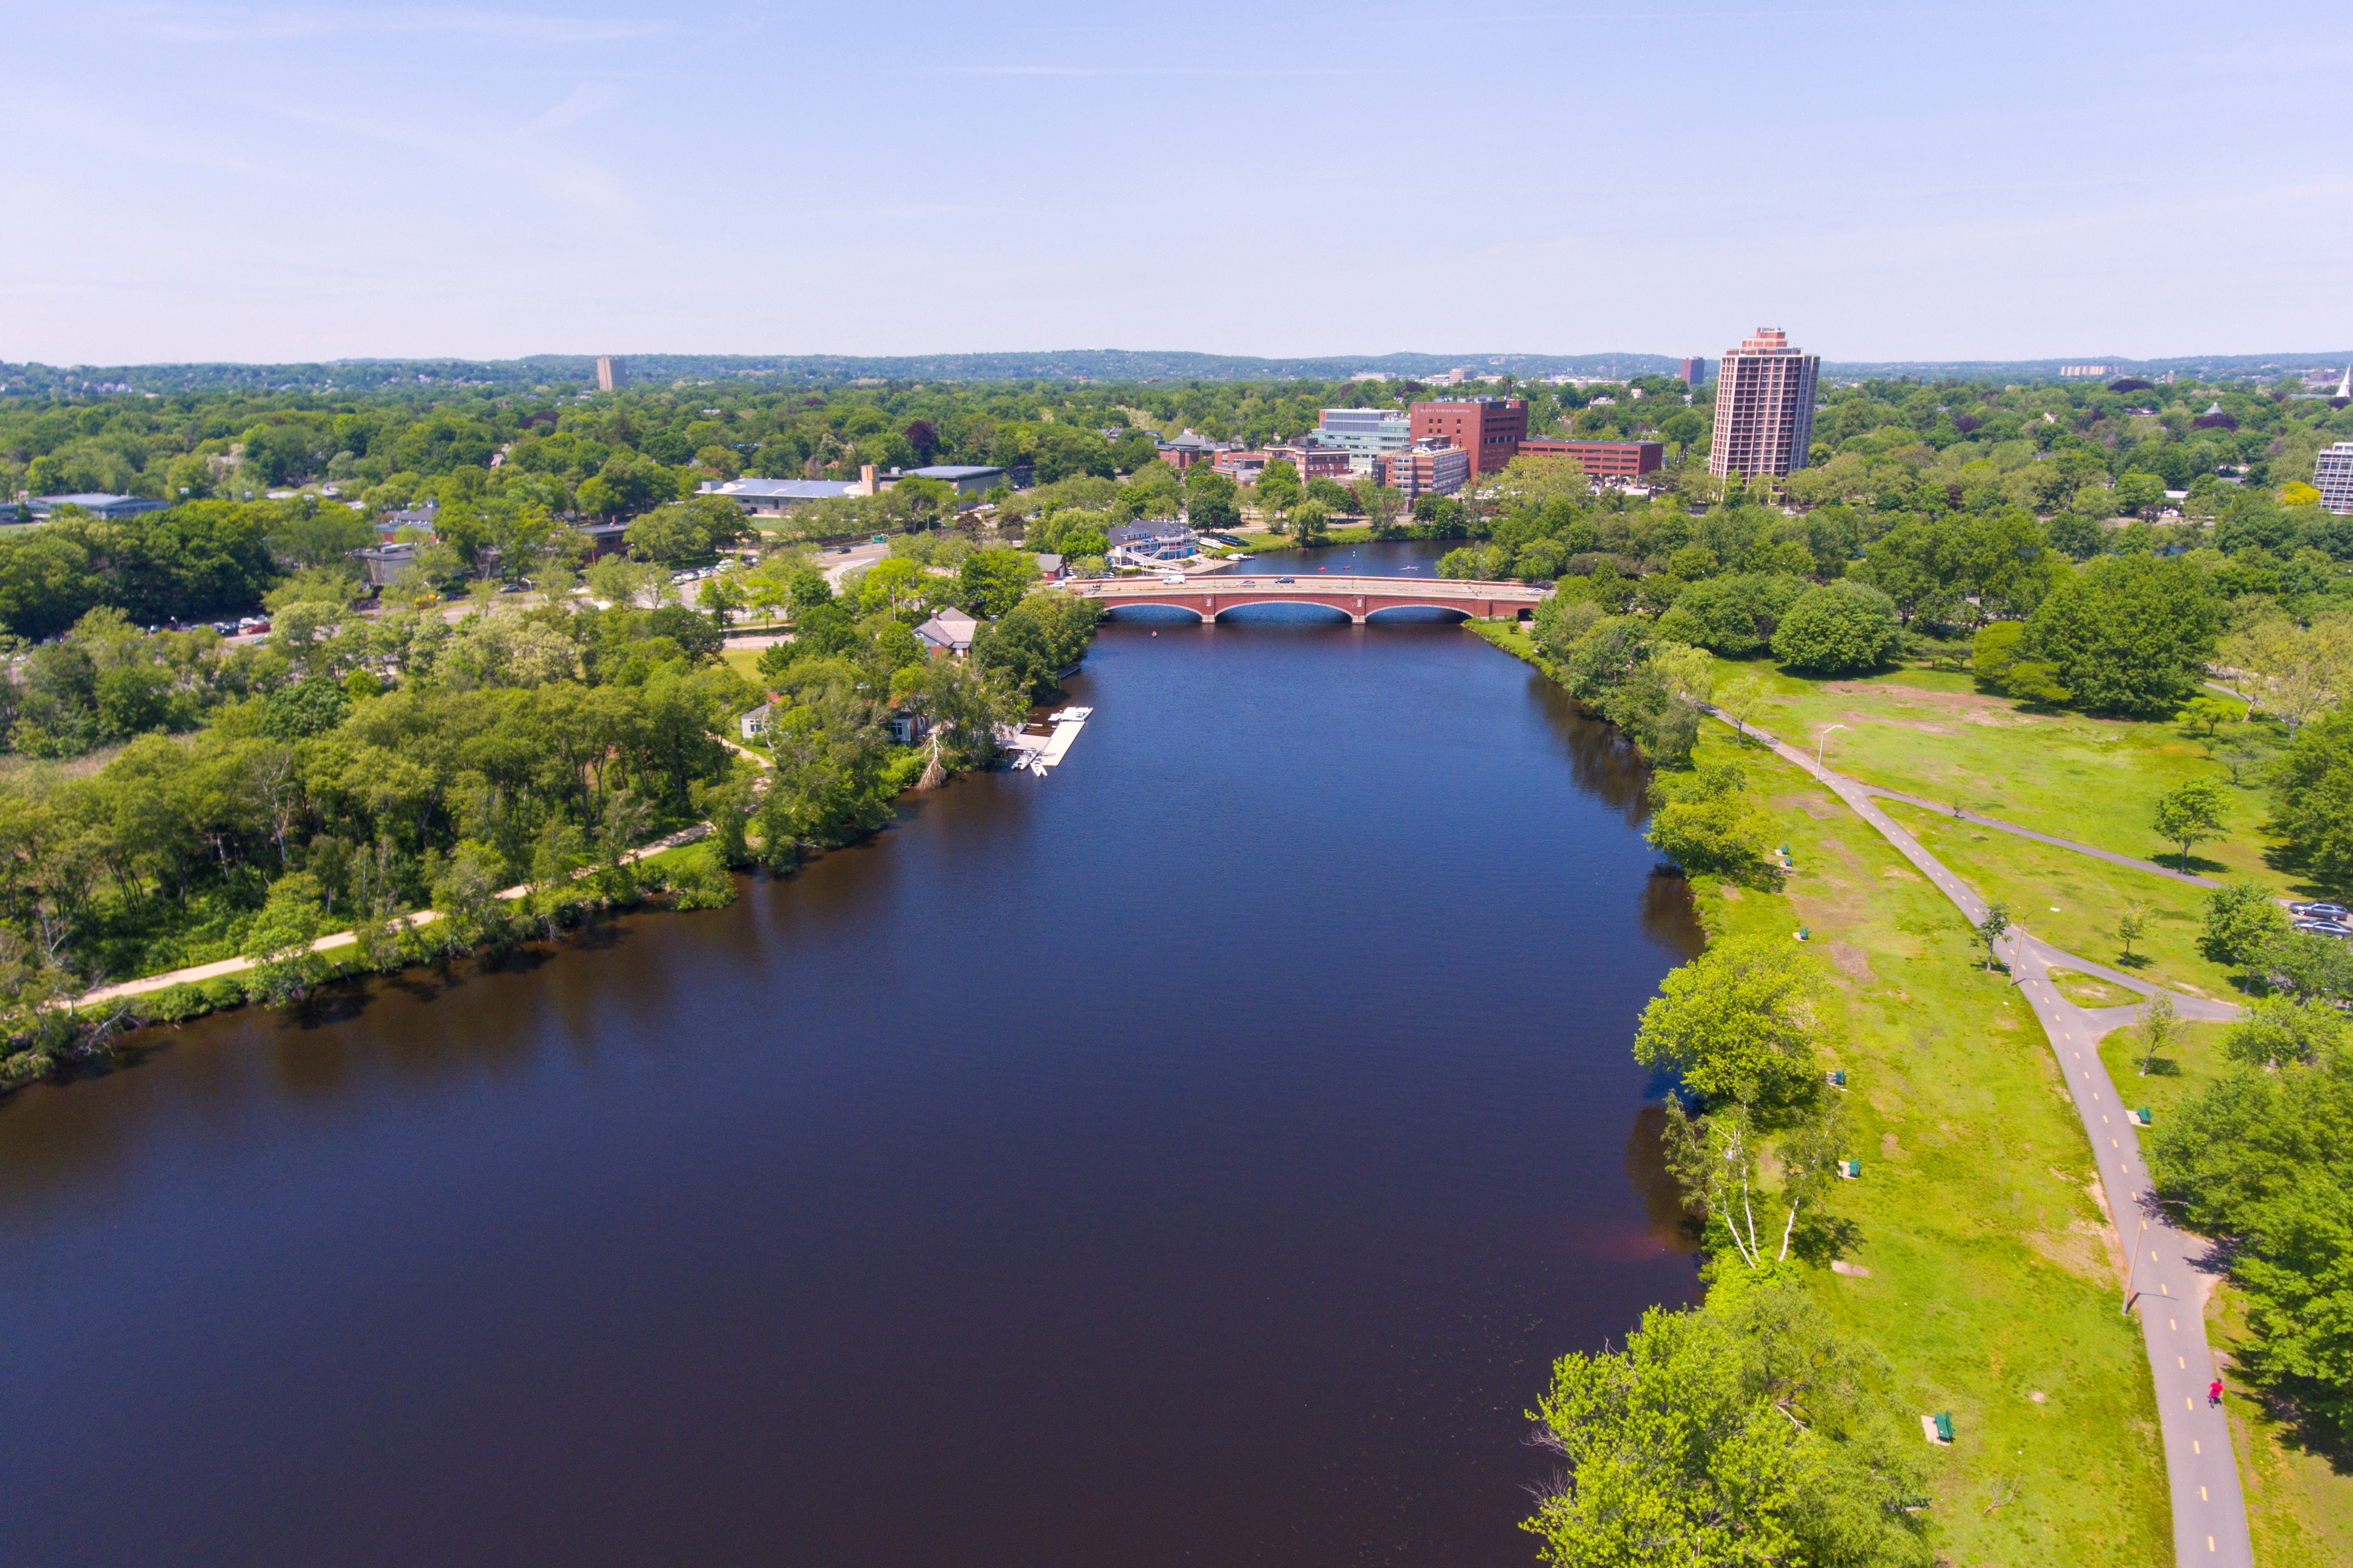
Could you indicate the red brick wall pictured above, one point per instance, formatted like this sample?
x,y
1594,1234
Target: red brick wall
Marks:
x,y
1490,432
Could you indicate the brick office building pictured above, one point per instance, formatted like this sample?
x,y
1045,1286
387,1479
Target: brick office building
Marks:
x,y
1764,407
1602,459
1425,470
1313,462
1309,462
1490,428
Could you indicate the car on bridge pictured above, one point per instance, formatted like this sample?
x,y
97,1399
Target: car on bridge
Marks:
x,y
1278,582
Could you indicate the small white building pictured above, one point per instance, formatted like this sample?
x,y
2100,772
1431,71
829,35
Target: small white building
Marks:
x,y
1151,542
754,723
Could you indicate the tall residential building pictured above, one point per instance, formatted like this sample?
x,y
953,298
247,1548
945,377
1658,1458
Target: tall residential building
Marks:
x,y
1490,428
2333,476
1693,372
609,373
1764,407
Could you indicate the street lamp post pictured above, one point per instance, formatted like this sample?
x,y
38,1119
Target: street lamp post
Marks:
x,y
1825,741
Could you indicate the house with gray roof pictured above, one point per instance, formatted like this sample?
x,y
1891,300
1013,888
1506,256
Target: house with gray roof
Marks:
x,y
948,634
774,497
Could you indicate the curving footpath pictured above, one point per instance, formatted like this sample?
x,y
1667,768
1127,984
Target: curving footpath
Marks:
x,y
2209,1515
121,990
1978,819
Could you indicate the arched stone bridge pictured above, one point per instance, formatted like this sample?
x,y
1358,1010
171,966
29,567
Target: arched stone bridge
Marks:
x,y
1358,598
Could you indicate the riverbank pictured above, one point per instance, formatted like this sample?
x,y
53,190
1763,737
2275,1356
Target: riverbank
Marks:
x,y
730,1206
1978,1259
681,867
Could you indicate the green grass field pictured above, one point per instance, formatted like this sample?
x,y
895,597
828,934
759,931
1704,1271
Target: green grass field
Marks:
x,y
1993,1273
1992,1288
2076,900
1932,734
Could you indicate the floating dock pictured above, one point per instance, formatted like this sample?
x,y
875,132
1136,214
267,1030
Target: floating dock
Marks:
x,y
1039,752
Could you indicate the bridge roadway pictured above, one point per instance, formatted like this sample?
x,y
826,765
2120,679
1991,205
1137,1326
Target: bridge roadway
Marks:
x,y
1357,597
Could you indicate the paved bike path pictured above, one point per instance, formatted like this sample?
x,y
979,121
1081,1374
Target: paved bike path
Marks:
x,y
2209,1515
2110,856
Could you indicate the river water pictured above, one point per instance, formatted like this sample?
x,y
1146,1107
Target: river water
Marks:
x,y
1193,1157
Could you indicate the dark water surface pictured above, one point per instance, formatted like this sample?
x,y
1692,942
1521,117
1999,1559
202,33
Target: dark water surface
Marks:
x,y
1194,1157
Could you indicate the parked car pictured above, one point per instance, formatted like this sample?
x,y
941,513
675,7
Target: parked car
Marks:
x,y
2326,927
2319,911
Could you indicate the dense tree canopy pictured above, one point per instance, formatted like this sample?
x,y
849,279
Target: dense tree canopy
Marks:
x,y
2127,634
1838,628
1745,1432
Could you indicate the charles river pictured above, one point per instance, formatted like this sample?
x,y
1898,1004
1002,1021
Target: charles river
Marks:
x,y
1196,1156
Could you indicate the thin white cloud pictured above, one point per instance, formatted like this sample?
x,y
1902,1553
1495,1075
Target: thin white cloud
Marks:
x,y
1136,70
248,24
582,104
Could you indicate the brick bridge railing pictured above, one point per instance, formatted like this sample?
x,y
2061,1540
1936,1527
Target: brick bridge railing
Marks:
x,y
1357,597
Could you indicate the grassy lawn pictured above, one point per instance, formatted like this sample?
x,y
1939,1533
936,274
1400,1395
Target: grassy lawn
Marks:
x,y
1932,734
1992,1290
746,662
2299,1501
2089,896
1993,1273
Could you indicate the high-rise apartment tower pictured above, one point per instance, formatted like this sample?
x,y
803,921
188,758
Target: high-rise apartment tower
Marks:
x,y
609,372
1764,407
2332,475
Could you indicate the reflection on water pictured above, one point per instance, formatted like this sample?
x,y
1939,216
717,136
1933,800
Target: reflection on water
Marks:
x,y
1205,1149
1672,1223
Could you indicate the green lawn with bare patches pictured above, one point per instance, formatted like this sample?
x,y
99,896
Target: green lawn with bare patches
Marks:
x,y
1932,734
2076,901
1991,1290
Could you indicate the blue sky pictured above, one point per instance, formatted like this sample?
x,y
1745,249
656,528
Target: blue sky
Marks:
x,y
308,182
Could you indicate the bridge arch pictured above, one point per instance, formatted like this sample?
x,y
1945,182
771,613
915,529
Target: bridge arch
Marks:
x,y
1419,613
1289,611
1117,609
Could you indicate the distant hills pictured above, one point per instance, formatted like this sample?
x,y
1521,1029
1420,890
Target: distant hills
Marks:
x,y
574,371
